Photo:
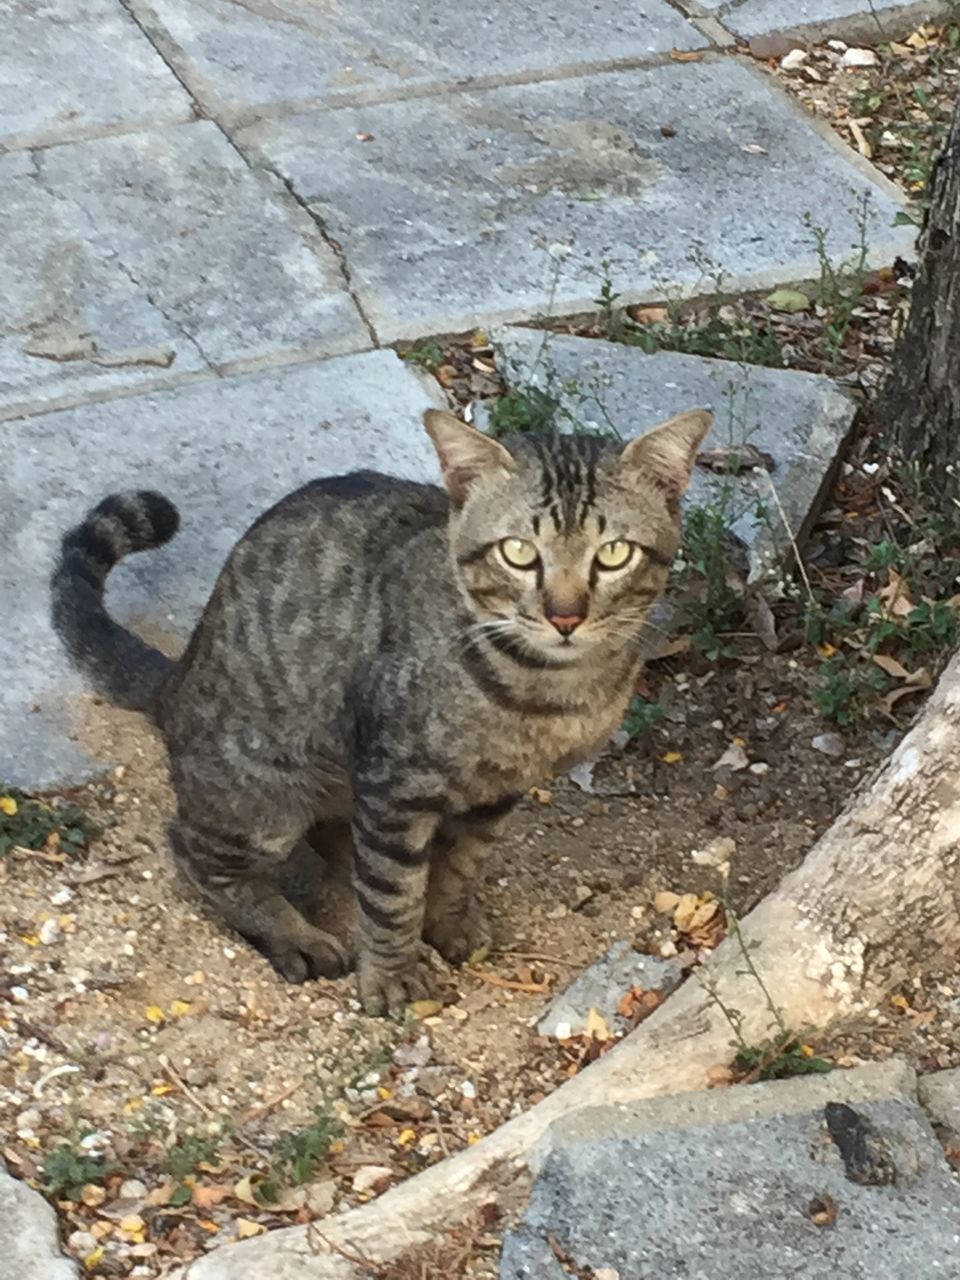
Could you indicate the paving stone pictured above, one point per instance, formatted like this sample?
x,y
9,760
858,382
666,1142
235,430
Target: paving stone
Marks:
x,y
224,450
239,56
940,1097
125,259
854,18
601,987
449,215
96,68
28,1234
799,419
735,1200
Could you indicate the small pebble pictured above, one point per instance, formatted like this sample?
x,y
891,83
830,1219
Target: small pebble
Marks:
x,y
62,897
760,768
50,932
828,744
82,1243
133,1189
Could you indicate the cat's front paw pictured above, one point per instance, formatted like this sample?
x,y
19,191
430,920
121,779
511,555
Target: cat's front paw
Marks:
x,y
313,954
458,937
385,992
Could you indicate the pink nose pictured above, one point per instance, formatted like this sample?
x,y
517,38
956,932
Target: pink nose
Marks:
x,y
565,623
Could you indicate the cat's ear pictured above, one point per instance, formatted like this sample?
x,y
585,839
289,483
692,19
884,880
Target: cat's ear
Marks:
x,y
465,453
668,452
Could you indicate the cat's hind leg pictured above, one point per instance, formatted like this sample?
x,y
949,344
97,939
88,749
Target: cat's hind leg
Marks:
x,y
238,874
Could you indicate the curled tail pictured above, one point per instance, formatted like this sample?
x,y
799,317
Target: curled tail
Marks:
x,y
119,664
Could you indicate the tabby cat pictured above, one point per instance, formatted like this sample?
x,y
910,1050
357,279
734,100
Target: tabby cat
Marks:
x,y
395,663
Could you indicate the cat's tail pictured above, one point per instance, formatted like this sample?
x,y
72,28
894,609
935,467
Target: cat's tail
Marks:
x,y
119,664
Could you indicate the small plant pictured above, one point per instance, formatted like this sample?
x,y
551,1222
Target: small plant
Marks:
x,y
528,409
848,688
32,824
68,1169
427,354
297,1155
641,716
840,288
186,1158
783,1053
716,605
722,334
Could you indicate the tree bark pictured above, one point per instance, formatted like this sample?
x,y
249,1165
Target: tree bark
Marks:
x,y
875,900
920,404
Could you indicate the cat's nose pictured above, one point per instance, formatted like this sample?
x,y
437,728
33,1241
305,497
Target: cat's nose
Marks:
x,y
565,623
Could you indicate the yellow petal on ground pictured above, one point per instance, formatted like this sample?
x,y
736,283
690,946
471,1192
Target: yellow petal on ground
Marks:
x,y
246,1228
179,1007
8,805
597,1026
406,1136
92,1260
672,757
161,1090
155,1014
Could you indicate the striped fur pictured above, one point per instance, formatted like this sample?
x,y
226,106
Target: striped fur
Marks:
x,y
371,662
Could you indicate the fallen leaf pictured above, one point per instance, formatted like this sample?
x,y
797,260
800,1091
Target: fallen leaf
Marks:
x,y
245,1190
860,138
207,1198
760,617
446,375
719,1076
425,1008
246,1228
672,757
896,596
597,1027
92,1260
162,1195
155,1014
179,1008
542,795
665,902
8,806
650,315
891,666
667,649
915,682
686,55
684,911
822,1210
788,301
638,1003
92,1195
372,1177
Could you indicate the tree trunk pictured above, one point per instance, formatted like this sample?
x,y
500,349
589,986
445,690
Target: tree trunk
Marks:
x,y
874,900
920,404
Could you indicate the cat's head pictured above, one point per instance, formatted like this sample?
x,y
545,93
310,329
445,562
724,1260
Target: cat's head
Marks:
x,y
564,542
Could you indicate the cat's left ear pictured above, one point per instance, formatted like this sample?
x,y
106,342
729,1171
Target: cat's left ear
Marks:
x,y
668,452
465,453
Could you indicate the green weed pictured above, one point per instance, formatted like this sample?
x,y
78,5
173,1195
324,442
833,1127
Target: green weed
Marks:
x,y
427,354
641,716
68,1169
33,824
848,689
840,287
298,1155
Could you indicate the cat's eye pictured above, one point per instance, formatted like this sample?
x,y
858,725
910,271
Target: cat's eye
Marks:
x,y
614,555
519,553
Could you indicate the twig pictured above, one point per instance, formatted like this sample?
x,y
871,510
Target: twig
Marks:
x,y
535,955
439,1128
257,1113
533,988
358,1259
175,1078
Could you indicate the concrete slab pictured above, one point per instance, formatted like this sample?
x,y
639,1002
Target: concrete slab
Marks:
x,y
223,450
601,987
239,57
736,1200
812,19
28,1234
97,71
800,419
939,1095
126,259
474,207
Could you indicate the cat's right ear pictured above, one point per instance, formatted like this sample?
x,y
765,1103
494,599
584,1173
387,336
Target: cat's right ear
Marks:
x,y
465,453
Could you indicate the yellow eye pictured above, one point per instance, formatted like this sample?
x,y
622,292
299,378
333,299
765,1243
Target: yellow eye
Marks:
x,y
614,555
519,553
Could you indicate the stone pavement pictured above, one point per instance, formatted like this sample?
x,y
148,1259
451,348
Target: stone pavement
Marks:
x,y
746,1183
214,212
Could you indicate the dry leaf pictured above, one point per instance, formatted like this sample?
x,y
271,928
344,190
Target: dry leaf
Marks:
x,y
896,596
685,911
915,682
719,1076
425,1008
686,55
665,902
891,666
667,649
207,1198
650,315
860,138
597,1027
245,1189
155,1014
734,758
246,1228
162,1195
672,757
760,617
732,459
